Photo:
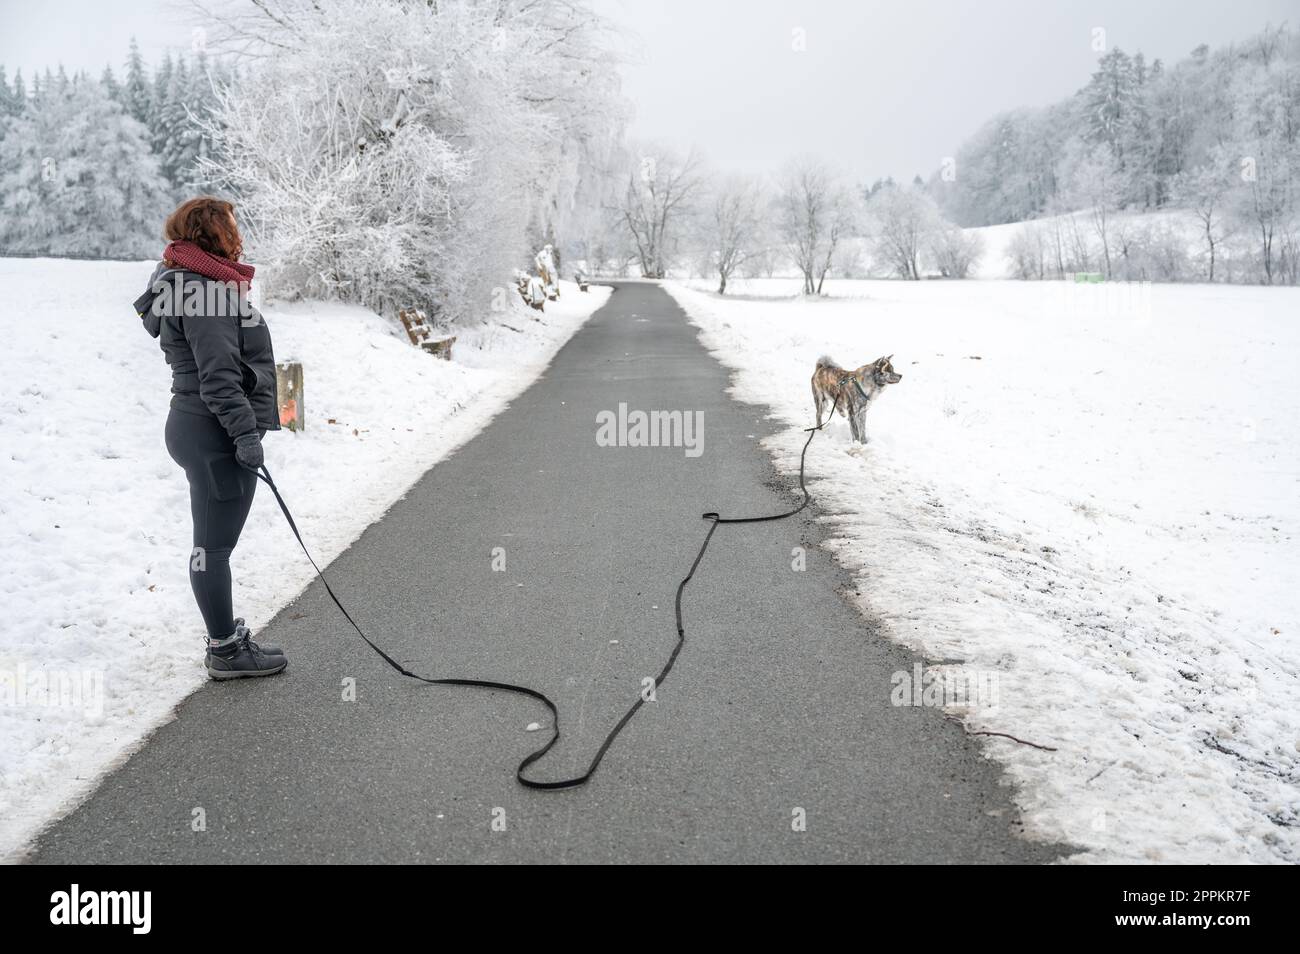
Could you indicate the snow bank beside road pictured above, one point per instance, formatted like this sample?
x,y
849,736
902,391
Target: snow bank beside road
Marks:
x,y
94,522
1095,509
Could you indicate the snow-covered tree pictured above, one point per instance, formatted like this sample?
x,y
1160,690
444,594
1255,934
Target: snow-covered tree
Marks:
x,y
734,228
814,212
1094,182
174,130
157,119
112,87
661,190
11,100
395,154
1267,111
194,147
18,101
902,219
135,89
1205,191
1267,202
1109,96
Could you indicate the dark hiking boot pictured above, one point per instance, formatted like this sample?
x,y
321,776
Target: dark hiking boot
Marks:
x,y
238,657
265,647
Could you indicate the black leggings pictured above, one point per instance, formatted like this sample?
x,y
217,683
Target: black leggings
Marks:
x,y
221,493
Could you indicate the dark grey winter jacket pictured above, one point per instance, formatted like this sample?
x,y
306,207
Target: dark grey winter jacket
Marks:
x,y
222,364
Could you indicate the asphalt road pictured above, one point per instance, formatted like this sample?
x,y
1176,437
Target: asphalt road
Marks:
x,y
778,708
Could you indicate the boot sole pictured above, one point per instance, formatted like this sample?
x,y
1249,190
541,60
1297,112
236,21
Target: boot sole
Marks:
x,y
223,674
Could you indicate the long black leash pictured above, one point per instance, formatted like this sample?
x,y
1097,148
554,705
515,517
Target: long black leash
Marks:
x,y
714,520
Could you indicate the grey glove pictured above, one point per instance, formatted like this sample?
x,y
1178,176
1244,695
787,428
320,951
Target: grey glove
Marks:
x,y
248,451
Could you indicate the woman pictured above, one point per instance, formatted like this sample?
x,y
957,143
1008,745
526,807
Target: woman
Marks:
x,y
223,402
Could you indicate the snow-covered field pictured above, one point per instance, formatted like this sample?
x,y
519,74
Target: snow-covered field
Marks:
x,y
100,635
996,259
1088,498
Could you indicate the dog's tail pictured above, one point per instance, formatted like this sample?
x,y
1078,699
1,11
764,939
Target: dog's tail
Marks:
x,y
826,361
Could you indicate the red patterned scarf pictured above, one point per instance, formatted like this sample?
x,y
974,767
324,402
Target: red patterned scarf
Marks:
x,y
189,256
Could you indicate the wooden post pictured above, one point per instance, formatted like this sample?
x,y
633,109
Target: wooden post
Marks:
x,y
288,389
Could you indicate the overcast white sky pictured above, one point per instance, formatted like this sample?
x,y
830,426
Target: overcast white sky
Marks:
x,y
881,88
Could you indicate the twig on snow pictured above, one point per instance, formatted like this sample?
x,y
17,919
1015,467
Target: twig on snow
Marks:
x,y
1002,735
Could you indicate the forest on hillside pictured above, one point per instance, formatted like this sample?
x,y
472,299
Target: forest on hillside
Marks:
x,y
1216,134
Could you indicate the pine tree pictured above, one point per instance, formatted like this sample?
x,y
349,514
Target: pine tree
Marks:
x,y
7,106
1109,96
135,91
110,84
20,93
156,120
46,88
1137,148
172,133
205,76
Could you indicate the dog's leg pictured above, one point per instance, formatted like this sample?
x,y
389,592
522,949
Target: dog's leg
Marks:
x,y
817,401
859,421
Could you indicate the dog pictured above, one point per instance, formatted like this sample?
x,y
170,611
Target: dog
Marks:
x,y
850,391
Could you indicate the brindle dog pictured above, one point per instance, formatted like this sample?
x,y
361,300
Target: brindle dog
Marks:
x,y
851,391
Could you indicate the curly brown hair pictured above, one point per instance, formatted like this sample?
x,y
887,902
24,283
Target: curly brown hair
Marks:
x,y
209,223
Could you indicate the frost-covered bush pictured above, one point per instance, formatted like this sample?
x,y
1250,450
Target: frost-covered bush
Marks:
x,y
1154,253
1028,252
954,251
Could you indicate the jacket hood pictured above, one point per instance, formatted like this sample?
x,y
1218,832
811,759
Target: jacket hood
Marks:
x,y
144,304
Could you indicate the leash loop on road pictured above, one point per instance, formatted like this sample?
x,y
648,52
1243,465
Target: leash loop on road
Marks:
x,y
714,519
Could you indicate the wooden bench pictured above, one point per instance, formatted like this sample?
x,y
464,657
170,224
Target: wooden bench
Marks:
x,y
417,328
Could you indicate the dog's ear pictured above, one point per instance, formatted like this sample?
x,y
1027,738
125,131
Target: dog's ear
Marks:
x,y
884,362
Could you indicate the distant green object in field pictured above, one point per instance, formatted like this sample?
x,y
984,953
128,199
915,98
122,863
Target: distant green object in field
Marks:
x,y
1091,278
